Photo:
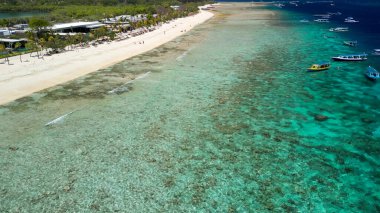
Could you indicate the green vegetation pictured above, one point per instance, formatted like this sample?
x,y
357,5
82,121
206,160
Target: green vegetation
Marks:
x,y
41,39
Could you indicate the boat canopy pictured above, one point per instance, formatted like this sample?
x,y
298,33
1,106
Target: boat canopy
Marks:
x,y
323,63
354,55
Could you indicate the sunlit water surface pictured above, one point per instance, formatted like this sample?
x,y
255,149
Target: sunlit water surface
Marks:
x,y
221,119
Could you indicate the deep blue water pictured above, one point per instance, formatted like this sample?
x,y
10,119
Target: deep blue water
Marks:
x,y
367,31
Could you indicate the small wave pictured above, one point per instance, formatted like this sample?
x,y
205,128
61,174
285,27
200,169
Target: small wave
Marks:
x,y
57,120
142,76
179,58
123,88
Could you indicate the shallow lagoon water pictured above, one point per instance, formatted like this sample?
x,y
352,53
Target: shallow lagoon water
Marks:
x,y
221,119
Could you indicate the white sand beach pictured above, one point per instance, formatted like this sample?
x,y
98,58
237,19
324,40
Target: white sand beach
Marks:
x,y
24,78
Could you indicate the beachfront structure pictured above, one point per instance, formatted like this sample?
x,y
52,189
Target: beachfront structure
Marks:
x,y
126,19
175,7
4,32
76,27
21,26
10,43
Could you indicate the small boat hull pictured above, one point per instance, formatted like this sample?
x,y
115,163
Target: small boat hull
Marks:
x,y
316,70
372,74
354,57
350,43
346,59
370,78
318,67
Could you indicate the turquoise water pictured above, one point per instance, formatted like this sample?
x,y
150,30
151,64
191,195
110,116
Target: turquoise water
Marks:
x,y
19,14
219,120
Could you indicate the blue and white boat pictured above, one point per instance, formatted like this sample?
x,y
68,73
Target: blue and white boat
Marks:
x,y
372,74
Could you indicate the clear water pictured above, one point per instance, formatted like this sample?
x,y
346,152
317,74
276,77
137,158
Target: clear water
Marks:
x,y
219,120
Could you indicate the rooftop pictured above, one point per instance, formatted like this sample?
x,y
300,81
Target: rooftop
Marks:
x,y
89,25
12,40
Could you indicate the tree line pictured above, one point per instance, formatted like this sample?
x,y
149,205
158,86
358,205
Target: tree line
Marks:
x,y
40,38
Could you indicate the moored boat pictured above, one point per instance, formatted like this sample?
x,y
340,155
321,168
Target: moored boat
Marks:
x,y
304,20
354,57
371,73
350,43
319,67
350,20
376,52
339,29
322,20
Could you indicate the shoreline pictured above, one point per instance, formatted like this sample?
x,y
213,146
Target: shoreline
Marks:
x,y
25,78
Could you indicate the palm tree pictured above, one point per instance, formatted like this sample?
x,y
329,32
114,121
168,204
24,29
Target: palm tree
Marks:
x,y
5,23
18,45
38,24
3,49
70,42
42,43
30,45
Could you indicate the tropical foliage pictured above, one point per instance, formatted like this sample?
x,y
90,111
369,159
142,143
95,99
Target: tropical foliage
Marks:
x,y
41,39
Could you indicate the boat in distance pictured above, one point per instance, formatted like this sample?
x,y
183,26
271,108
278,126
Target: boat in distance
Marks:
x,y
350,20
319,67
339,29
376,52
372,74
353,57
350,43
322,20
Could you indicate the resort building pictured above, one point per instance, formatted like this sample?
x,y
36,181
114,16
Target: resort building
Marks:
x,y
10,43
4,32
76,27
174,7
21,26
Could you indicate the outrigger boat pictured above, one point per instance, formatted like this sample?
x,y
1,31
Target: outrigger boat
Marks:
x,y
337,13
356,57
372,74
376,52
350,43
350,20
339,29
319,67
322,20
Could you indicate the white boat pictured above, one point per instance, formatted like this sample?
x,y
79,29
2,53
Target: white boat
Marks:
x,y
339,29
322,15
304,20
279,5
376,52
350,43
322,20
350,20
337,13
354,57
